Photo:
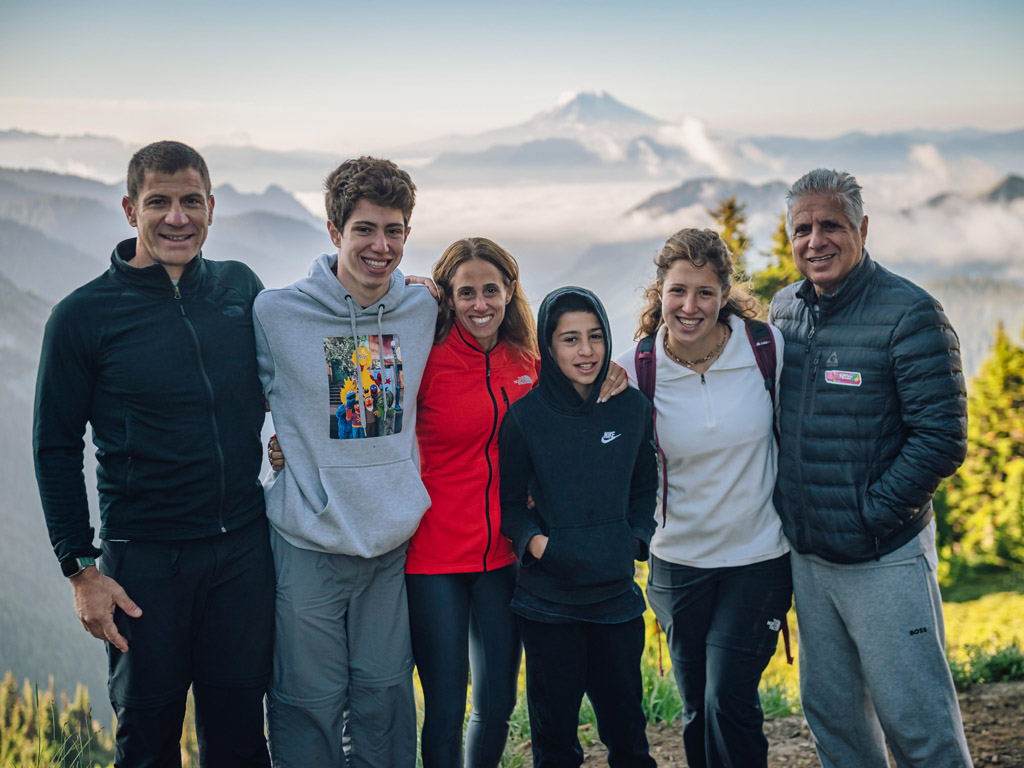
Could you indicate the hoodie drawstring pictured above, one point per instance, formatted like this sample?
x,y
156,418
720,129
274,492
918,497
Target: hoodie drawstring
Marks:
x,y
352,309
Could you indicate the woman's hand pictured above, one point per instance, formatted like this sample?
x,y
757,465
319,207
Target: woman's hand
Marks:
x,y
537,545
274,454
615,382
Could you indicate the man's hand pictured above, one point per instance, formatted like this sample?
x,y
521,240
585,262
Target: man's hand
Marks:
x,y
615,382
537,545
417,280
274,454
96,598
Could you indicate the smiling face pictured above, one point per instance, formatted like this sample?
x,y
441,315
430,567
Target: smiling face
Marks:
x,y
172,214
691,298
479,298
370,248
578,347
826,247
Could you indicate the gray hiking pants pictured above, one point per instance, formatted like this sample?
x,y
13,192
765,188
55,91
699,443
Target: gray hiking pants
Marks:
x,y
873,664
341,693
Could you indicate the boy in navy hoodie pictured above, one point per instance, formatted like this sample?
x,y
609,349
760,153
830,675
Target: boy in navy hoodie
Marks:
x,y
592,473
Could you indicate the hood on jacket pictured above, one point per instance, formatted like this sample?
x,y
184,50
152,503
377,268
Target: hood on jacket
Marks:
x,y
554,386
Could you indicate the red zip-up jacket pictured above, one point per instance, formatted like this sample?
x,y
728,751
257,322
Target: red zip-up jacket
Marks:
x,y
462,399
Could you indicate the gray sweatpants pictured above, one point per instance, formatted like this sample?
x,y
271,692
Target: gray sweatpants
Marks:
x,y
873,664
341,692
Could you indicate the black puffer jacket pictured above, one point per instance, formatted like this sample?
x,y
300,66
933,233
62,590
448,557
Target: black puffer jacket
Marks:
x,y
167,379
874,413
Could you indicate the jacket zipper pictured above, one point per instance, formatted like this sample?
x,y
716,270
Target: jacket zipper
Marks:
x,y
487,457
213,415
806,381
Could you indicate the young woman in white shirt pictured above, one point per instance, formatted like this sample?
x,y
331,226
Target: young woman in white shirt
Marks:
x,y
719,579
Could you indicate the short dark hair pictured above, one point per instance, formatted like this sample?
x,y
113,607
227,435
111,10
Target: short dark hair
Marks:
x,y
164,157
380,181
563,305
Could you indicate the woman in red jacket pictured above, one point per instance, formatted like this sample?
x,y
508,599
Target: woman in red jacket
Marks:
x,y
461,571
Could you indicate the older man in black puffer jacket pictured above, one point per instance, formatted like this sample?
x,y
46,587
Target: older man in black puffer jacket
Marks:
x,y
873,416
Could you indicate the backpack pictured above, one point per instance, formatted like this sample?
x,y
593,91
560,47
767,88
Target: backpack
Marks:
x,y
761,342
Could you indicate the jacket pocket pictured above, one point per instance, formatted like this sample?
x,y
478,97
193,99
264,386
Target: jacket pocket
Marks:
x,y
591,554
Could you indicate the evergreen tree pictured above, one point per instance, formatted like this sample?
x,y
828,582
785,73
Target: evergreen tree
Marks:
x,y
731,221
781,269
982,505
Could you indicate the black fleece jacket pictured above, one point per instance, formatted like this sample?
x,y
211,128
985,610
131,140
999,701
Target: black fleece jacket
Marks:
x,y
592,472
167,378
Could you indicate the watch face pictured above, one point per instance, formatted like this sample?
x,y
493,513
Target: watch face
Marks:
x,y
72,566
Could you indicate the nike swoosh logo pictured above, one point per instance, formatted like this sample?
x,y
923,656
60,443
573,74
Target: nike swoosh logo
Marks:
x,y
609,436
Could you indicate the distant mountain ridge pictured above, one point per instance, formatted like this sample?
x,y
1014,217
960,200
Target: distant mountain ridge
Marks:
x,y
769,197
599,134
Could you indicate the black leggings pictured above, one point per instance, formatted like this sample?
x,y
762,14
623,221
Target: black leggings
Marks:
x,y
462,621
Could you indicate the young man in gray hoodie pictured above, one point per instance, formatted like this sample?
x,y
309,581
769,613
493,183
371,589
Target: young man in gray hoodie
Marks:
x,y
340,354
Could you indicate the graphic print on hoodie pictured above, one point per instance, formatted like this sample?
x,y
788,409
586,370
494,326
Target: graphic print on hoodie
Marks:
x,y
364,385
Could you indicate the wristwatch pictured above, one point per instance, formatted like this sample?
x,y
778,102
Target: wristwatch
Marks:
x,y
72,566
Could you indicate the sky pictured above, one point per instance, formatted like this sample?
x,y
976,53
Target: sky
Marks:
x,y
372,76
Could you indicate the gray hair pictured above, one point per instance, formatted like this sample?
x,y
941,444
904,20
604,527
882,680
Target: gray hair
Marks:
x,y
839,185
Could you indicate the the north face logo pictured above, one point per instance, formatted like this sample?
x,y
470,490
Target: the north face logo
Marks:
x,y
524,379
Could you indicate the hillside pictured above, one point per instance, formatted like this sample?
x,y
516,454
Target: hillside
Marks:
x,y
41,635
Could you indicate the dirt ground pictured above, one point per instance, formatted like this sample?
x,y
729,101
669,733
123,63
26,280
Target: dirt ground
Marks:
x,y
993,719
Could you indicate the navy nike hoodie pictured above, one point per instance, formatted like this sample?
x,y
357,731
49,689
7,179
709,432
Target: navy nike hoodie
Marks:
x,y
591,470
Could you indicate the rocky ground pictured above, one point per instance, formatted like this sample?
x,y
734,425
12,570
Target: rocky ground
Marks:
x,y
993,719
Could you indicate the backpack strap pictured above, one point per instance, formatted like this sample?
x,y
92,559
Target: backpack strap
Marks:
x,y
762,342
645,361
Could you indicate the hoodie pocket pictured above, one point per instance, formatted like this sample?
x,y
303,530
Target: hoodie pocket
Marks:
x,y
590,555
369,509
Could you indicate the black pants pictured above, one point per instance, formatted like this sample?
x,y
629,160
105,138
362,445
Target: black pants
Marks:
x,y
564,661
722,626
207,621
462,622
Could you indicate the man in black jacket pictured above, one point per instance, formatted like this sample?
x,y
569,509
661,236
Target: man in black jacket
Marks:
x,y
158,356
873,417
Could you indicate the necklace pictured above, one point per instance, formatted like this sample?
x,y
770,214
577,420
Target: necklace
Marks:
x,y
689,363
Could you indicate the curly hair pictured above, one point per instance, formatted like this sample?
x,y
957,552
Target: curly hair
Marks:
x,y
379,181
518,328
699,247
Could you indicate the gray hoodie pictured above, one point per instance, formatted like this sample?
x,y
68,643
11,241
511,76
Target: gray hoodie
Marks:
x,y
341,381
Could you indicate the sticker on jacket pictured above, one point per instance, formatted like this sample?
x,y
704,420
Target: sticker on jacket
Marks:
x,y
365,386
843,378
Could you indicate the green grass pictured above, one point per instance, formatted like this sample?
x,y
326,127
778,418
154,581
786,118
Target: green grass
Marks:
x,y
974,584
980,665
